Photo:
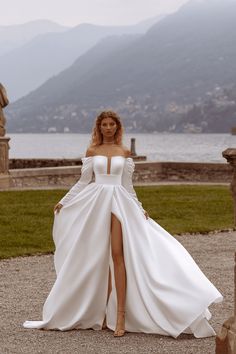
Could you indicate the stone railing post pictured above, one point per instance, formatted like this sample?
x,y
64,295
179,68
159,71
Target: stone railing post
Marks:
x,y
230,156
132,147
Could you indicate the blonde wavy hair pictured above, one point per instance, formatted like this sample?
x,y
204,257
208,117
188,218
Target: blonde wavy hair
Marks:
x,y
97,137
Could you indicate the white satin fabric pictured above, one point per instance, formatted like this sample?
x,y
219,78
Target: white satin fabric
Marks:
x,y
167,293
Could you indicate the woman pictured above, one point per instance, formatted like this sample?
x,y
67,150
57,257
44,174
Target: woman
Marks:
x,y
115,265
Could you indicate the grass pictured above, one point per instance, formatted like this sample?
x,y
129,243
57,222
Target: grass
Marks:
x,y
26,217
189,208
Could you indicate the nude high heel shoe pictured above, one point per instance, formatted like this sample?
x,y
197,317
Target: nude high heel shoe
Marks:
x,y
120,324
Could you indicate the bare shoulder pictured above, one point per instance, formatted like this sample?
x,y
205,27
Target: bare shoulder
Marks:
x,y
90,151
126,151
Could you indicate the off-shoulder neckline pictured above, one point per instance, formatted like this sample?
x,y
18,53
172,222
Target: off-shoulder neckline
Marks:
x,y
90,157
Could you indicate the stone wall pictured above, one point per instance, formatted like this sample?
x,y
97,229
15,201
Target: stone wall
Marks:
x,y
45,162
182,171
50,177
35,163
145,172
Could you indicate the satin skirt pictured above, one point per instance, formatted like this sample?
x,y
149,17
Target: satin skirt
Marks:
x,y
167,293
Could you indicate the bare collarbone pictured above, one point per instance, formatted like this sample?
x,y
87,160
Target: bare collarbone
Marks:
x,y
100,150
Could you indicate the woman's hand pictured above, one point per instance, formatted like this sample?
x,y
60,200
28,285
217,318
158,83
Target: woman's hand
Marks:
x,y
57,208
146,214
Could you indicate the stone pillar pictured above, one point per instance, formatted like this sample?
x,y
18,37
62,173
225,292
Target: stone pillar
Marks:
x,y
2,122
230,156
132,148
226,339
3,103
4,158
5,180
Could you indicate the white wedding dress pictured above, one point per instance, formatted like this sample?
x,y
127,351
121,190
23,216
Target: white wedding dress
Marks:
x,y
167,293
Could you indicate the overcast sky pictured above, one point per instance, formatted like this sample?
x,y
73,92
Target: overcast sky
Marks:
x,y
74,12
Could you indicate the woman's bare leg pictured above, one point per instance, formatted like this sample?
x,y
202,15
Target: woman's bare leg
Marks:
x,y
120,273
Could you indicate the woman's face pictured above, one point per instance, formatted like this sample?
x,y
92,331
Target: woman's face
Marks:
x,y
108,127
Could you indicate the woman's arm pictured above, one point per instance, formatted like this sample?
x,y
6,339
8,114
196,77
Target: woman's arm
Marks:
x,y
85,178
127,181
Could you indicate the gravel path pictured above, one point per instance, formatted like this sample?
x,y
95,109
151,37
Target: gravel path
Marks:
x,y
26,281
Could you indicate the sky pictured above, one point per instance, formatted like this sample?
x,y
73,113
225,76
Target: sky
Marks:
x,y
74,12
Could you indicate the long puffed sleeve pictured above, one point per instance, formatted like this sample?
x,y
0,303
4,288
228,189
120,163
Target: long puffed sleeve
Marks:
x,y
127,181
85,178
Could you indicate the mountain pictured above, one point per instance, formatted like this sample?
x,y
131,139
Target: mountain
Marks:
x,y
42,101
27,67
143,26
12,37
153,81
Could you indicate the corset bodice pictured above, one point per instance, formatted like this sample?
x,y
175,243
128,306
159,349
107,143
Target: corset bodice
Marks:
x,y
100,167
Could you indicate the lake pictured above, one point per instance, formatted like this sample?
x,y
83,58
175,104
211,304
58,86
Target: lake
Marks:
x,y
157,147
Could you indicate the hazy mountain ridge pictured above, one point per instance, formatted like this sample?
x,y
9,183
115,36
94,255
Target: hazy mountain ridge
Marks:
x,y
29,66
45,104
14,36
153,82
